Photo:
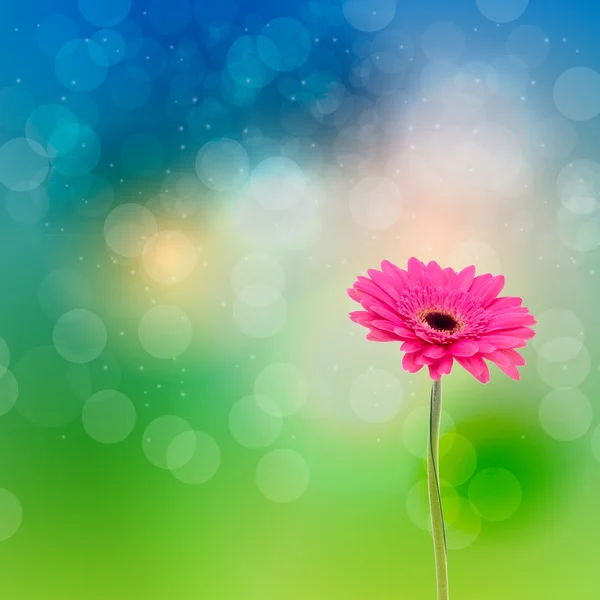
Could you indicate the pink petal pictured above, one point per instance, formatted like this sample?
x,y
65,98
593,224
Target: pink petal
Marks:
x,y
505,302
502,341
476,366
409,363
497,357
434,372
385,283
479,282
514,357
391,270
511,371
405,333
464,348
465,278
491,289
413,346
376,335
445,364
415,269
435,273
435,351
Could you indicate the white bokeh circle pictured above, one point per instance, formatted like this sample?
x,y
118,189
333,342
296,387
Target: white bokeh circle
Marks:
x,y
376,396
577,93
375,203
165,331
502,11
11,514
108,416
169,257
282,475
496,494
128,227
277,183
79,335
255,421
159,435
281,389
193,457
566,414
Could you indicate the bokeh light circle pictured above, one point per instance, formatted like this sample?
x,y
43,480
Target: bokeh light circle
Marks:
x,y
264,320
496,494
369,15
415,430
128,227
251,425
63,290
258,279
4,355
193,457
83,156
465,529
578,186
79,335
113,44
375,203
559,335
159,435
478,253
108,416
555,137
169,257
565,373
9,390
289,46
54,128
165,331
281,388
443,40
245,65
577,93
502,11
45,398
417,504
277,183
81,65
16,104
106,13
458,458
565,414
530,44
27,208
22,165
376,396
11,514
222,165
596,443
282,475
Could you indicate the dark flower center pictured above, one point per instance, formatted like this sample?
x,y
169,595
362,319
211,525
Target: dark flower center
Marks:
x,y
440,321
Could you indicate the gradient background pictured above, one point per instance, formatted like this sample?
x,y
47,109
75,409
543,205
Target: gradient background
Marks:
x,y
256,446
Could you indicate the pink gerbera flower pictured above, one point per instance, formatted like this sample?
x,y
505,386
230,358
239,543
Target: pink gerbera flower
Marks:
x,y
439,315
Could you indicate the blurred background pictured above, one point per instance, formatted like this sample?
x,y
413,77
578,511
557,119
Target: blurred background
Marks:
x,y
187,188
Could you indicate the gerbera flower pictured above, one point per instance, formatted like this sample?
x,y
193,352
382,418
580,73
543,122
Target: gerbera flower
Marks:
x,y
439,316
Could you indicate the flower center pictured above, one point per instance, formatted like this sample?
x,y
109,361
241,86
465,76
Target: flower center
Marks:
x,y
440,321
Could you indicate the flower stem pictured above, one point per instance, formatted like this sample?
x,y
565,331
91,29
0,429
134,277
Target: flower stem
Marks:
x,y
435,498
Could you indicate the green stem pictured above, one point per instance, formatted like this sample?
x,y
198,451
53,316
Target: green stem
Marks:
x,y
435,498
